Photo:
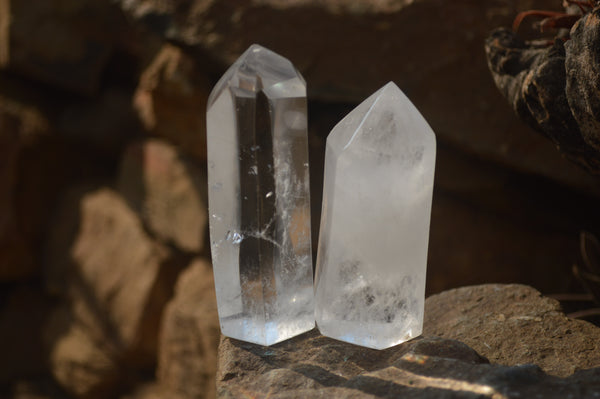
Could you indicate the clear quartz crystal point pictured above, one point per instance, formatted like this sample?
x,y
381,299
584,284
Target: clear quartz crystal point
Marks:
x,y
259,199
372,257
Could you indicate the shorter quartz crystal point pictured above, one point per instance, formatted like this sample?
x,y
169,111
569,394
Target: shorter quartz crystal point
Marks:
x,y
259,199
377,192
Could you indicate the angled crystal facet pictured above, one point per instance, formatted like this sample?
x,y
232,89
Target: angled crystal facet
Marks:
x,y
372,257
259,199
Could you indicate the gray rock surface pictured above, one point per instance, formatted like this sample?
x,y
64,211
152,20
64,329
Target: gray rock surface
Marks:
x,y
514,324
311,365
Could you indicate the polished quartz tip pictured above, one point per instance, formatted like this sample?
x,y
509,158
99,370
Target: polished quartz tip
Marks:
x,y
259,199
377,192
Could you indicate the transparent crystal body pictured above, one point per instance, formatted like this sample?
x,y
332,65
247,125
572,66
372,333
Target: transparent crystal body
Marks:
x,y
377,193
259,211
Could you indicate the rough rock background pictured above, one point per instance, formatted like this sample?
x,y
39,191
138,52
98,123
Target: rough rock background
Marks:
x,y
105,277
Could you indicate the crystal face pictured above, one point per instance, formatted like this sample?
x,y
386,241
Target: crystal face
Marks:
x,y
259,199
377,193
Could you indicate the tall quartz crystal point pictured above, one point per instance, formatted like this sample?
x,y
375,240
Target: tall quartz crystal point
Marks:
x,y
259,199
372,258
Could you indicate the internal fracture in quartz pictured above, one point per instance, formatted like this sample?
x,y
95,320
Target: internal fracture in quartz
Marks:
x,y
259,199
377,193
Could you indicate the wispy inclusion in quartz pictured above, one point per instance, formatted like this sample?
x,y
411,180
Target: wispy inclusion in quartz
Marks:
x,y
259,199
372,256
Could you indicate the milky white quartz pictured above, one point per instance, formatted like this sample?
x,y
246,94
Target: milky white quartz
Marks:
x,y
259,199
377,192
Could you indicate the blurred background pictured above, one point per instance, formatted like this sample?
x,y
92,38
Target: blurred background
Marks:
x,y
106,283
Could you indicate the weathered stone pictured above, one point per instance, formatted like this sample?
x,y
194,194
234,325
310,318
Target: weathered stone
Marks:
x,y
514,324
170,93
4,31
10,145
37,164
101,259
553,87
38,388
47,167
83,359
168,191
533,80
121,267
60,43
583,77
311,365
105,123
153,391
308,363
190,335
22,315
425,46
19,125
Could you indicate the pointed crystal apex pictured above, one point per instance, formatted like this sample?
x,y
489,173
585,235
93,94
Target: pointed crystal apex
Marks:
x,y
379,168
259,68
259,199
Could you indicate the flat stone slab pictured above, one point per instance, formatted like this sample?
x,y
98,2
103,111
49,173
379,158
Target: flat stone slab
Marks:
x,y
312,365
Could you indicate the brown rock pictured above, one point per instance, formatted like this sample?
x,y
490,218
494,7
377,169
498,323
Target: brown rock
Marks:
x,y
82,358
106,123
4,31
57,42
10,145
117,280
115,265
37,163
122,268
23,312
39,388
432,51
19,125
168,192
311,365
47,167
171,100
190,335
153,391
514,324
